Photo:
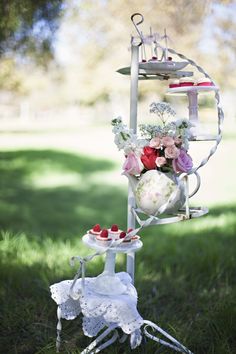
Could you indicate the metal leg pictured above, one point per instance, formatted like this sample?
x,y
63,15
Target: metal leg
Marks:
x,y
130,265
59,328
91,349
175,346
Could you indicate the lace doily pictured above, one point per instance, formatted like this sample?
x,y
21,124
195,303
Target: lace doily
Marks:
x,y
100,311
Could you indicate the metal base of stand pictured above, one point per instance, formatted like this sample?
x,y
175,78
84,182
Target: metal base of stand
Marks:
x,y
116,316
172,344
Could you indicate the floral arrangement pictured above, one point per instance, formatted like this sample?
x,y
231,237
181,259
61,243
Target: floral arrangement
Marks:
x,y
163,147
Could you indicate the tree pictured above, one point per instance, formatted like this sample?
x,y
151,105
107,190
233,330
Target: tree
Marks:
x,y
28,27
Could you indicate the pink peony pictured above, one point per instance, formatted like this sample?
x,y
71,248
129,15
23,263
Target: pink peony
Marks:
x,y
160,161
172,152
183,163
155,142
133,164
167,141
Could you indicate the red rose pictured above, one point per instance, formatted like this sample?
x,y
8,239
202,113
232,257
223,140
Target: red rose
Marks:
x,y
148,157
147,150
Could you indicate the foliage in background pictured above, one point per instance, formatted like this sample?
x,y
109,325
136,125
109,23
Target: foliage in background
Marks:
x,y
89,41
104,36
28,27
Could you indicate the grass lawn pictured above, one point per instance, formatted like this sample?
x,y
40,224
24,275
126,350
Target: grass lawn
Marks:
x,y
185,273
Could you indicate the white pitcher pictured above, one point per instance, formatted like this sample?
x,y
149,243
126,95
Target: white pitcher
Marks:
x,y
157,192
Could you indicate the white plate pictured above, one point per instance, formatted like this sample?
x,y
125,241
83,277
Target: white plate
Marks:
x,y
164,66
186,89
133,246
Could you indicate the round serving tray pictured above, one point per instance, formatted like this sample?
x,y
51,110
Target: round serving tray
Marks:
x,y
183,90
122,248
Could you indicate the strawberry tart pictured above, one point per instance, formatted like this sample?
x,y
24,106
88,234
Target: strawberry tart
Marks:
x,y
135,237
114,232
129,239
103,238
174,83
186,81
95,231
204,82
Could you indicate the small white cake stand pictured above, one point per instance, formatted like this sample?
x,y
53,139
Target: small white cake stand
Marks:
x,y
107,283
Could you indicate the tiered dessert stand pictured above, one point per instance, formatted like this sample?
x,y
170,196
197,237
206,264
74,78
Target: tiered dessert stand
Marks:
x,y
109,301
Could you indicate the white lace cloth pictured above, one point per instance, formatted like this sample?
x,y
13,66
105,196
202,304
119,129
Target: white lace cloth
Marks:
x,y
101,311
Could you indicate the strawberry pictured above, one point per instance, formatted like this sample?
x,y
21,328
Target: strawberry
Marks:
x,y
104,233
122,234
97,228
129,230
114,228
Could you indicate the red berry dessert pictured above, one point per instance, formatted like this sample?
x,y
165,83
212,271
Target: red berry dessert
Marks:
x,y
102,239
174,83
154,58
95,231
204,82
114,232
133,238
186,81
122,235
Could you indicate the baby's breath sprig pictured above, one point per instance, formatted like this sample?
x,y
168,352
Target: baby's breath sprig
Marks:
x,y
163,110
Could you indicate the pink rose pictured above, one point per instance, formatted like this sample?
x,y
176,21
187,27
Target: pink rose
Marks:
x,y
167,141
183,163
133,164
155,142
160,161
172,152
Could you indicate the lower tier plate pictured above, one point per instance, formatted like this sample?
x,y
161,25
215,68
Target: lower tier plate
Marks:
x,y
148,220
122,248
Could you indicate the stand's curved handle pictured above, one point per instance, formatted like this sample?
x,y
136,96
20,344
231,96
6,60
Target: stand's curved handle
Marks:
x,y
137,23
197,185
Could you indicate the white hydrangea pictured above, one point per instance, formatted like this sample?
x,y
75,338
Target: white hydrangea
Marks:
x,y
125,139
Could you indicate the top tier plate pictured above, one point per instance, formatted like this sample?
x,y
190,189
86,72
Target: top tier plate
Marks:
x,y
159,70
165,66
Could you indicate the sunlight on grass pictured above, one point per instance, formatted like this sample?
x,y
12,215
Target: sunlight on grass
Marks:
x,y
23,250
48,179
204,224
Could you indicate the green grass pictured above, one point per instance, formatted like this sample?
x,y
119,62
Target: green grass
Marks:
x,y
185,273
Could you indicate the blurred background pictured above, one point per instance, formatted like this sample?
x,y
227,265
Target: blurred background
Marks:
x,y
60,170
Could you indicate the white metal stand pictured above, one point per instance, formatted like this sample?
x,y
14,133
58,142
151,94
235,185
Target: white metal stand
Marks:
x,y
117,288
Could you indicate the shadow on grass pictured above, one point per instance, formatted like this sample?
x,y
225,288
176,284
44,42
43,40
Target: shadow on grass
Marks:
x,y
185,272
62,211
